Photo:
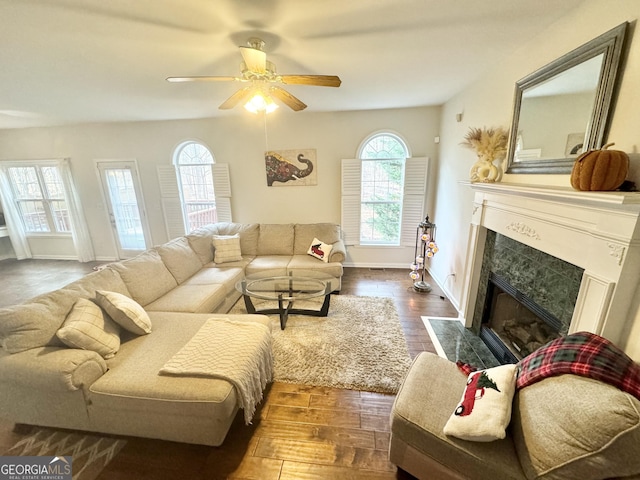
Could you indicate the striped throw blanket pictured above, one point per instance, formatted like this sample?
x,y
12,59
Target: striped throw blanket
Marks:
x,y
584,354
236,351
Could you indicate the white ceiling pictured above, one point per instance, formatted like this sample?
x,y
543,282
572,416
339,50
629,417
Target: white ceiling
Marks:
x,y
77,61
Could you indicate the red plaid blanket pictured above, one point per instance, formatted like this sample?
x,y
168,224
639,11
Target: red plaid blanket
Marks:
x,y
584,354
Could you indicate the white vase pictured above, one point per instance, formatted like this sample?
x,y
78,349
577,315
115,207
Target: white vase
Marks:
x,y
485,171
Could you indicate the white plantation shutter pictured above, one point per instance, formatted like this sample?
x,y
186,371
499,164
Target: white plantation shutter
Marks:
x,y
222,191
350,215
170,201
415,188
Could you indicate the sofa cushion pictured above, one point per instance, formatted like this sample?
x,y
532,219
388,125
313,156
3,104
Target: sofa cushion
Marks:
x,y
190,298
246,260
427,396
146,276
200,242
484,412
271,265
226,248
277,239
179,258
87,328
249,235
227,277
320,250
301,263
570,427
305,233
125,312
104,279
35,323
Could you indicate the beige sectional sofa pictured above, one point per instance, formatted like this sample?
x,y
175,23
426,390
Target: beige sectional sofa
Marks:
x,y
180,287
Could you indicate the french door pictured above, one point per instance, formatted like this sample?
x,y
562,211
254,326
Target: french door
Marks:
x,y
123,199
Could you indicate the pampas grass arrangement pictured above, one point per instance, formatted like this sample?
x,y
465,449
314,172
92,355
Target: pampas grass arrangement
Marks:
x,y
489,143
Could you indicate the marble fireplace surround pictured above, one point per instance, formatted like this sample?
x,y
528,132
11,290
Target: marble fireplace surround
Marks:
x,y
596,231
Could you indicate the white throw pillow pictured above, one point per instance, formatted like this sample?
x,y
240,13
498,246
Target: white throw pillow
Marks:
x,y
320,250
227,248
484,412
124,311
87,328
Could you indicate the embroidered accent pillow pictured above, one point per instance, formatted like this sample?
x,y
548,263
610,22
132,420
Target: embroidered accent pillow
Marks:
x,y
227,248
124,311
87,328
320,250
484,412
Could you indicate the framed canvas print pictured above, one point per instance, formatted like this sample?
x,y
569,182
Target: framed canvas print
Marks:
x,y
291,167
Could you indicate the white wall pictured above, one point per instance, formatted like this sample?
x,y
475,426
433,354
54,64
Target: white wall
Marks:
x,y
238,140
6,250
489,102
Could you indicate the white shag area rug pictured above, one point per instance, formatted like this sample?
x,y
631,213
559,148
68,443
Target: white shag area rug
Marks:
x,y
360,345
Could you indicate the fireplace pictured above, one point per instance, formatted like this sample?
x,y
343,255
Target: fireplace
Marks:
x,y
597,232
513,324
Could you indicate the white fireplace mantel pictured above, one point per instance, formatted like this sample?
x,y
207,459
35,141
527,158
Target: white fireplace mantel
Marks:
x,y
597,231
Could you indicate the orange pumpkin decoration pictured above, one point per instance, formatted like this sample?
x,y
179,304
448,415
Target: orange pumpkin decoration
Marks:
x,y
600,170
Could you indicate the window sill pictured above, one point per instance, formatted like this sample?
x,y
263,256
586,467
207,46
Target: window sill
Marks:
x,y
48,235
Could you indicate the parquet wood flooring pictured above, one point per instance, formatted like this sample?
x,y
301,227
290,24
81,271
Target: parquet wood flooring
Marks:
x,y
299,432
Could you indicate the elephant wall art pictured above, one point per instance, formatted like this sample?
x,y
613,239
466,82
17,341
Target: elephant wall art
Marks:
x,y
291,167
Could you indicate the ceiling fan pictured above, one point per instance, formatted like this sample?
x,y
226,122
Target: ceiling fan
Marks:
x,y
263,81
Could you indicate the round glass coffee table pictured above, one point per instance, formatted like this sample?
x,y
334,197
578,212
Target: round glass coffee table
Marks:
x,y
286,289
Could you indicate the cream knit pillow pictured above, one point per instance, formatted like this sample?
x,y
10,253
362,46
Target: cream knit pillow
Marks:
x,y
87,328
227,248
125,312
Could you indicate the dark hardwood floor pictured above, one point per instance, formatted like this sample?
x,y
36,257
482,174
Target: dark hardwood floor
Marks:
x,y
299,432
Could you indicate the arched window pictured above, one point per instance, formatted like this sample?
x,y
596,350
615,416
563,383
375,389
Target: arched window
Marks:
x,y
383,192
383,158
194,164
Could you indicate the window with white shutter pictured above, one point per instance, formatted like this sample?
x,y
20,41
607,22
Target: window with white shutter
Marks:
x,y
382,193
195,191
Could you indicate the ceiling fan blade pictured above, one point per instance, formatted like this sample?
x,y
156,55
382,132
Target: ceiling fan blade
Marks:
x,y
317,80
289,100
201,79
236,98
254,59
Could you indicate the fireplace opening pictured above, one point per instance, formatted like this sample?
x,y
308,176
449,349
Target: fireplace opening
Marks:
x,y
513,325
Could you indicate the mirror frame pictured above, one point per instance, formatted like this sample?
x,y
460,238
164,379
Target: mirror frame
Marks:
x,y
610,45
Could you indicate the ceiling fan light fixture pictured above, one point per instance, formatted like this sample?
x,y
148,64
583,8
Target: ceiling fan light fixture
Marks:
x,y
260,102
263,82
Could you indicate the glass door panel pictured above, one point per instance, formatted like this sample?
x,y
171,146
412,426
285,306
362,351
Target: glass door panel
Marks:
x,y
124,204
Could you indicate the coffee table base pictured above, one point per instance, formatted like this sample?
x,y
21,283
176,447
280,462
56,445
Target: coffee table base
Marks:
x,y
284,311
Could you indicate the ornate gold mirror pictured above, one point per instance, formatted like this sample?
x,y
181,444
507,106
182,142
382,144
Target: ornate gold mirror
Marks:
x,y
563,109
